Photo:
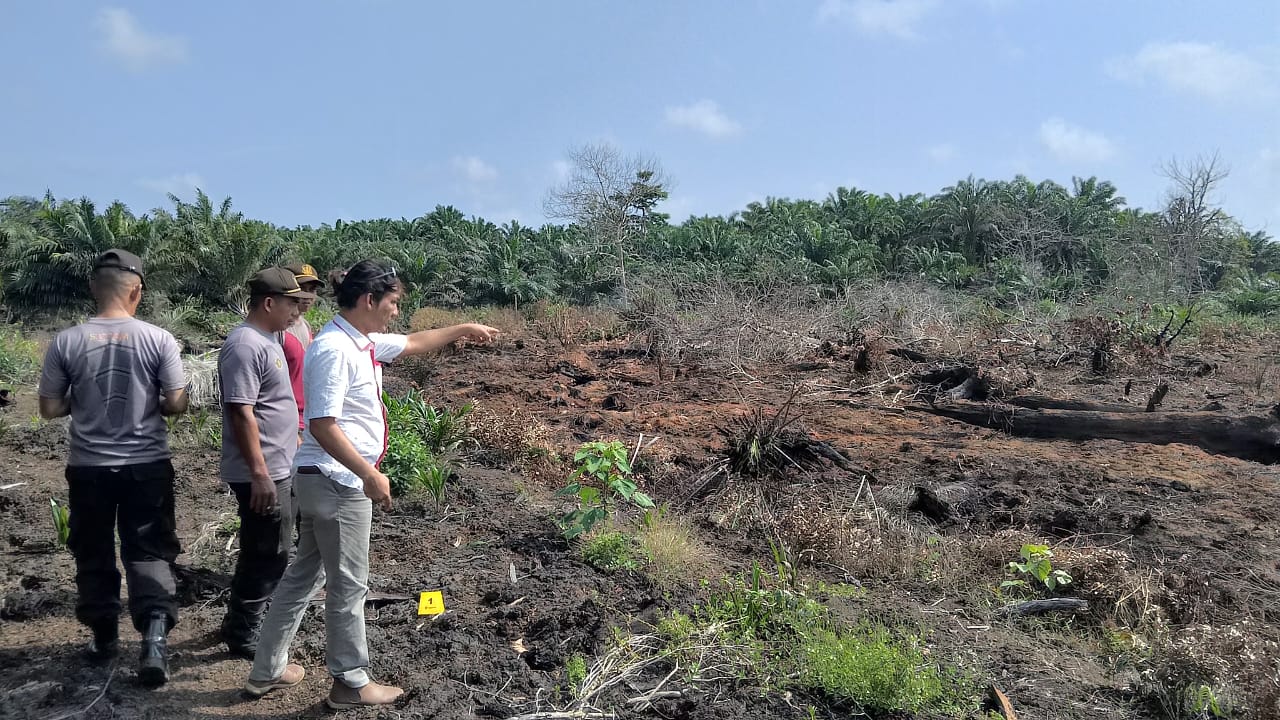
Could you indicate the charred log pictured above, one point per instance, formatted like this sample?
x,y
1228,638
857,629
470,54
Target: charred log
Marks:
x,y
1251,437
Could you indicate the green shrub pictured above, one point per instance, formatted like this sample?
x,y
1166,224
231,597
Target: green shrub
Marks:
x,y
19,357
407,454
320,314
603,471
1254,295
879,672
420,435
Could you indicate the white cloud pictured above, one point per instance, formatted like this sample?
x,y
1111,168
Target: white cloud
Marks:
x,y
182,184
125,40
475,170
560,170
940,153
1200,69
893,17
703,116
1070,143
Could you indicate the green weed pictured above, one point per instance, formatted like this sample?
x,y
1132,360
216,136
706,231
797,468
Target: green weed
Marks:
x,y
61,521
612,551
575,670
19,357
880,672
432,478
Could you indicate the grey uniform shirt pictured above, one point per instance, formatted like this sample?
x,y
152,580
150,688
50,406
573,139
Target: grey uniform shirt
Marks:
x,y
252,371
115,371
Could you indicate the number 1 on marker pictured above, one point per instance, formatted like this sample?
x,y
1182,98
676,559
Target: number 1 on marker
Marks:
x,y
430,602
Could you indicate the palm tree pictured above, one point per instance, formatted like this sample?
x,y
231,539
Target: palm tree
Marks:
x,y
49,268
216,251
964,217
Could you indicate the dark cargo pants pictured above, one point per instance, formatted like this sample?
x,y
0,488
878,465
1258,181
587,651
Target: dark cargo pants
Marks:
x,y
138,499
266,543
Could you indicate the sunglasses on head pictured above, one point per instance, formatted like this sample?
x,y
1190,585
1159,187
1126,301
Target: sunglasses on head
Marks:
x,y
389,273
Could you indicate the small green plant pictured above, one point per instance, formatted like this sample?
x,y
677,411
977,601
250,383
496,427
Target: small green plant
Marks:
x,y
61,521
612,551
575,671
445,429
603,471
1204,702
882,672
319,314
1036,564
432,478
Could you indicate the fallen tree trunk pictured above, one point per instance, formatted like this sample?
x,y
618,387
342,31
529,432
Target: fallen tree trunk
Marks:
x,y
1043,402
1251,437
1040,607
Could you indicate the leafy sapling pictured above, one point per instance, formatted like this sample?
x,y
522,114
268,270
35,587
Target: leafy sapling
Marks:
x,y
603,472
1036,564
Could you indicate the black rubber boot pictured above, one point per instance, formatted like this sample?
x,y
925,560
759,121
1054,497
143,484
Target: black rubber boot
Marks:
x,y
241,635
105,644
153,661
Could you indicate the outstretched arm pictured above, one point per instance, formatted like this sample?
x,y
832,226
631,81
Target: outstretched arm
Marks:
x,y
426,341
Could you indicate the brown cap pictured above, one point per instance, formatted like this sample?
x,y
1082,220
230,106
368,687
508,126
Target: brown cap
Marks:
x,y
120,260
277,281
304,273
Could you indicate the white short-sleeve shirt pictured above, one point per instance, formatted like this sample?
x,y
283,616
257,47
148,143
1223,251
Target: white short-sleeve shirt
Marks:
x,y
342,378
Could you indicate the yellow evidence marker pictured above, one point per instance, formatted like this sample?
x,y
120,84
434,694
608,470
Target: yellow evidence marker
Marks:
x,y
430,602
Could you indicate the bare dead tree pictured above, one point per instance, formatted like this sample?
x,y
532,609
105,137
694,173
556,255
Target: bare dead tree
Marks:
x,y
611,197
1192,226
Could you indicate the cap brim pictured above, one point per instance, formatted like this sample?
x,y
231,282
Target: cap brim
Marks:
x,y
300,295
308,279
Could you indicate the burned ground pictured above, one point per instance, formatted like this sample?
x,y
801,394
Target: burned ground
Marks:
x,y
922,513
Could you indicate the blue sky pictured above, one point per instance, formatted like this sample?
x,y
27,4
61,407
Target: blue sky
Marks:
x,y
304,112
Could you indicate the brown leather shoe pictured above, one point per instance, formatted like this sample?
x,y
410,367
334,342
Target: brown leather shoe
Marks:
x,y
343,696
291,676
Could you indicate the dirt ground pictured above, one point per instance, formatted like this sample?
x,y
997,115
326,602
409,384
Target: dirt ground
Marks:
x,y
1204,529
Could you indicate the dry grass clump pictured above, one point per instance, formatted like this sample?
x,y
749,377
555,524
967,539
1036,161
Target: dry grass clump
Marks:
x,y
1212,671
429,318
733,324
202,379
1252,373
917,315
506,319
516,439
1115,586
510,321
558,323
677,557
603,323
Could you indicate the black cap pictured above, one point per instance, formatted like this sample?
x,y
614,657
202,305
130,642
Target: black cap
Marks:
x,y
277,281
120,260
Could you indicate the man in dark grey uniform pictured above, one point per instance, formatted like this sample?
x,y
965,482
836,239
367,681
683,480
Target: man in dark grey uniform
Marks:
x,y
259,439
117,377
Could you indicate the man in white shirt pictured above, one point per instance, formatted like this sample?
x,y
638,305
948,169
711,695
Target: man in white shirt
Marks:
x,y
337,482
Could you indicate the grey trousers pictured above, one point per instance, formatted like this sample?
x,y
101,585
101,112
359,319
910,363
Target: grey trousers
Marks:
x,y
333,553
